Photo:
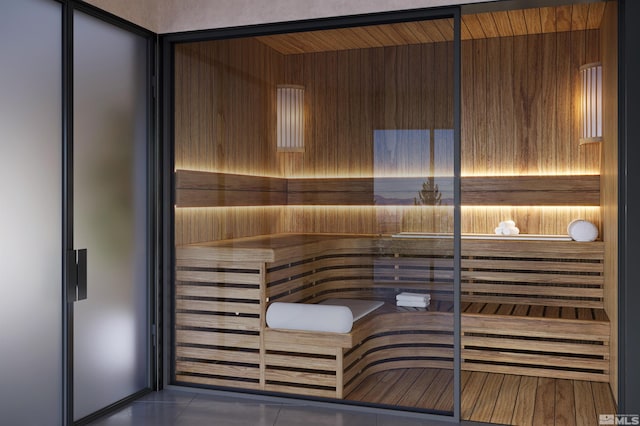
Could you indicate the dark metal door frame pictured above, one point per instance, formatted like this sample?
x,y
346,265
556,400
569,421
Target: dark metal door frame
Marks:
x,y
70,264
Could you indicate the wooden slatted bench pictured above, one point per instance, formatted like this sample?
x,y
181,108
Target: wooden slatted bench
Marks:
x,y
333,364
534,340
535,308
530,307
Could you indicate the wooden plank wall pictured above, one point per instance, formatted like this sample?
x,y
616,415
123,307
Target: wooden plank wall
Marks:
x,y
519,116
520,105
194,225
352,96
225,106
609,181
204,189
225,122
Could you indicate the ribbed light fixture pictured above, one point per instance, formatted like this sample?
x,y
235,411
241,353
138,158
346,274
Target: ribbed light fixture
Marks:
x,y
591,103
290,118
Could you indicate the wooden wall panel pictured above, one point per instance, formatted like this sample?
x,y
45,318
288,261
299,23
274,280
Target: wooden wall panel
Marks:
x,y
225,122
519,117
352,94
203,189
534,94
609,181
531,191
225,106
193,225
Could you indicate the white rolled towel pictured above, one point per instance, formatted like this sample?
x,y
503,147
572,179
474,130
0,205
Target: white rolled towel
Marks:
x,y
507,224
310,317
582,230
413,297
412,304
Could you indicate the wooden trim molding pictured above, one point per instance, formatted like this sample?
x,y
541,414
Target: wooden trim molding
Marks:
x,y
204,189
531,190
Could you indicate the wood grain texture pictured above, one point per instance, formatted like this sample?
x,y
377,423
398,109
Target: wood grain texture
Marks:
x,y
531,190
525,403
535,401
473,26
609,181
224,106
485,404
565,403
488,141
585,405
471,392
555,335
534,100
202,189
506,400
545,402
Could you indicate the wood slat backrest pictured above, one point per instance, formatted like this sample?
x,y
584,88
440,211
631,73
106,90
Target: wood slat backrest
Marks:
x,y
380,271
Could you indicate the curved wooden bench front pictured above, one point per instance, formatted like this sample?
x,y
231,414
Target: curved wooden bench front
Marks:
x,y
333,364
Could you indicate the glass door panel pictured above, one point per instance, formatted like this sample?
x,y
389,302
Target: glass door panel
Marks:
x,y
411,354
31,213
354,207
110,213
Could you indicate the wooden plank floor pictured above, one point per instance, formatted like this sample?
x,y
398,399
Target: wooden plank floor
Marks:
x,y
492,398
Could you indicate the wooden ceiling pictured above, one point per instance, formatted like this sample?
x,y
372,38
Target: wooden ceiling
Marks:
x,y
483,25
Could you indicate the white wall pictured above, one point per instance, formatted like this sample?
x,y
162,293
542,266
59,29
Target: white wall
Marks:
x,y
166,16
141,12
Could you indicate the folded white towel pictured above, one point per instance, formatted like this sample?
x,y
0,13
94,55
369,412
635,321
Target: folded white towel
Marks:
x,y
412,304
413,296
507,227
510,231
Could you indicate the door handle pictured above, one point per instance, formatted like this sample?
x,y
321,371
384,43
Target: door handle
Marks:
x,y
77,275
82,274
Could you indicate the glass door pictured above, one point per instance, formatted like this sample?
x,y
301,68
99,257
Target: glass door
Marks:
x,y
110,210
360,214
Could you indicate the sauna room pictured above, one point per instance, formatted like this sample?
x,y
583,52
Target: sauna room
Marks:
x,y
364,215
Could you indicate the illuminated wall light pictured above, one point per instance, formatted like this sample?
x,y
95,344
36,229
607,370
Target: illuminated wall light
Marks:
x,y
290,118
591,103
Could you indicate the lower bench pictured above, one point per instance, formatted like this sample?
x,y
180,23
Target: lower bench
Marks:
x,y
546,341
333,364
570,343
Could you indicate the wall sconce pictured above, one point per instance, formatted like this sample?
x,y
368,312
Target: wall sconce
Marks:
x,y
290,118
591,103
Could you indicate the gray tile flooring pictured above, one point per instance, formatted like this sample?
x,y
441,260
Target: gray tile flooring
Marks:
x,y
186,408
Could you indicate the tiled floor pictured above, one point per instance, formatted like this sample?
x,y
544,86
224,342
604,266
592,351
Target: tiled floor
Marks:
x,y
181,408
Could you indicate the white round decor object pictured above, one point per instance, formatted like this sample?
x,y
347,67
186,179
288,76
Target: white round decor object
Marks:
x,y
582,230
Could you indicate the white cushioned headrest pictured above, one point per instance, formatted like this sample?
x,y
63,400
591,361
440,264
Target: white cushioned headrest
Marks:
x,y
310,317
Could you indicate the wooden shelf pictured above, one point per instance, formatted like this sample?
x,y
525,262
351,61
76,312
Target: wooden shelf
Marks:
x,y
519,237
